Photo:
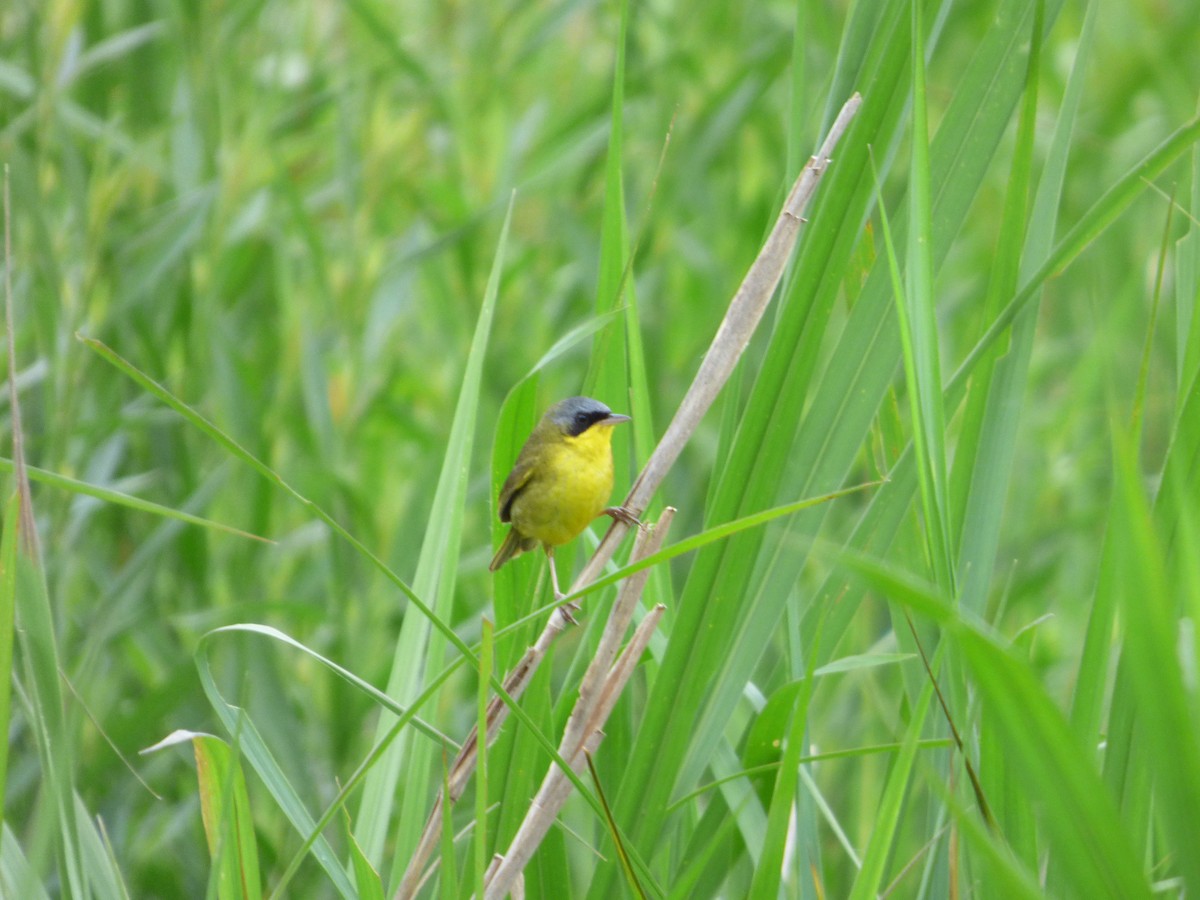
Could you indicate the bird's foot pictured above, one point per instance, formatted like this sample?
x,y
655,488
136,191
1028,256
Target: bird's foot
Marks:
x,y
621,514
568,610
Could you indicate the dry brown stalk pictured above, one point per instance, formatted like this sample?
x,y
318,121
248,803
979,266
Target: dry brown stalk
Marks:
x,y
598,692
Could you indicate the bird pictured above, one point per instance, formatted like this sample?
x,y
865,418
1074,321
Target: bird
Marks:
x,y
561,481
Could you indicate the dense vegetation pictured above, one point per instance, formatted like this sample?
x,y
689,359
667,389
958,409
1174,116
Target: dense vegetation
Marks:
x,y
251,248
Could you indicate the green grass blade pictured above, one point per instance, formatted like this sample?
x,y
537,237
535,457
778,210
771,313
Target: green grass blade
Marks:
x,y
607,376
8,611
1176,495
922,356
1151,605
1187,290
120,498
883,835
984,455
41,665
384,700
769,866
708,536
366,880
99,856
416,654
17,876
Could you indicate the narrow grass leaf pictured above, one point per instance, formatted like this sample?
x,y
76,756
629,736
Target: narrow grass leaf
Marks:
x,y
985,451
607,376
928,743
8,611
384,700
1152,605
1187,290
1095,657
104,870
120,498
366,880
709,536
416,654
631,879
883,834
48,721
1177,492
768,871
922,357
225,809
17,876
111,49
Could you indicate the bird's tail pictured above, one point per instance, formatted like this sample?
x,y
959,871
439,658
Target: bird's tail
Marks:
x,y
514,545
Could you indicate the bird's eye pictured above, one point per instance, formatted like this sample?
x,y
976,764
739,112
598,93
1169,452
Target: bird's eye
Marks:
x,y
581,419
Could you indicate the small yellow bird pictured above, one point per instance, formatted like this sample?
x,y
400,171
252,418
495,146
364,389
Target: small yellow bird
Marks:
x,y
562,480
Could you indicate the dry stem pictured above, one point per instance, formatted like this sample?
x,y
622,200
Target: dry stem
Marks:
x,y
598,692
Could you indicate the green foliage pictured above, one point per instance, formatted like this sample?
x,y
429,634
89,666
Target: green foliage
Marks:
x,y
330,261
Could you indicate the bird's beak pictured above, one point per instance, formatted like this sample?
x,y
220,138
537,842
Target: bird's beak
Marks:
x,y
616,419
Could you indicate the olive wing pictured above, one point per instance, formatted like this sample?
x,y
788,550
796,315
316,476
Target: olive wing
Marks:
x,y
518,479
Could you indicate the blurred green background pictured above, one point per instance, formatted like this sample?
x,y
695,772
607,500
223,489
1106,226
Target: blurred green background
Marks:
x,y
286,214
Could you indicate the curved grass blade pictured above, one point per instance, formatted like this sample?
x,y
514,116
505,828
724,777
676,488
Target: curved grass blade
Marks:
x,y
380,697
63,482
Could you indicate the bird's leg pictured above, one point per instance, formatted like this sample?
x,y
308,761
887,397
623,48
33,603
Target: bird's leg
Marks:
x,y
567,608
558,595
621,514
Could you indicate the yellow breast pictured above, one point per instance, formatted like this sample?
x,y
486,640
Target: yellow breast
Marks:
x,y
572,486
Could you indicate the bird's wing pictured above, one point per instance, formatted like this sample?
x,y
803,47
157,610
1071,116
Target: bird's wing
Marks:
x,y
518,479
